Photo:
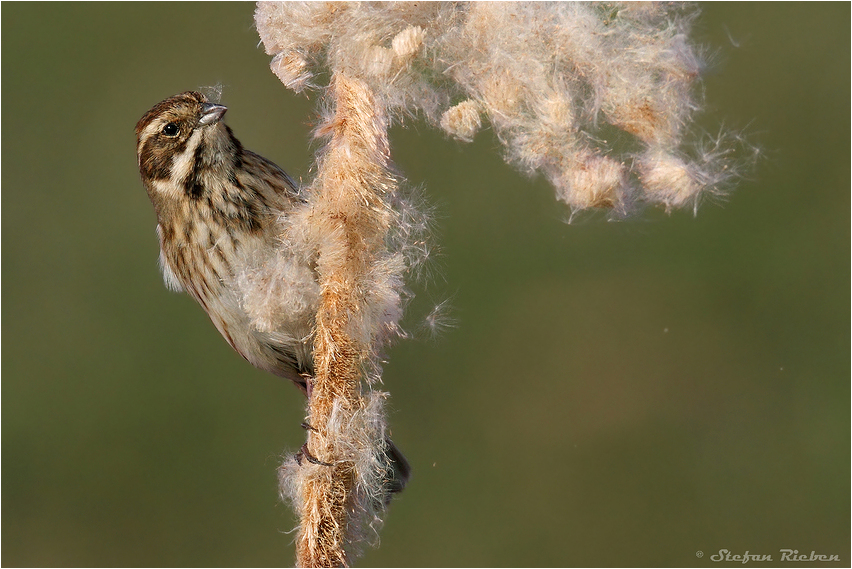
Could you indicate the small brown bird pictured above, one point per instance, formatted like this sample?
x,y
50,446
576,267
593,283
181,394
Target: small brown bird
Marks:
x,y
218,207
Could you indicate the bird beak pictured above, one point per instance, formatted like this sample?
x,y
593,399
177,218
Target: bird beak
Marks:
x,y
211,113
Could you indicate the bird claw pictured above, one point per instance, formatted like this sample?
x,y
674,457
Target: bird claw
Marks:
x,y
306,454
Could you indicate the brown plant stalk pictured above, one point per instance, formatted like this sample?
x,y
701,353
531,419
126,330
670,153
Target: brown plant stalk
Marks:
x,y
348,204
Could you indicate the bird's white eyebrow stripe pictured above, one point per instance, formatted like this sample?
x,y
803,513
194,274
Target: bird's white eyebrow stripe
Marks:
x,y
149,131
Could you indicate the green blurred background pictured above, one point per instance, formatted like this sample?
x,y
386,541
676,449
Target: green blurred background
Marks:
x,y
613,394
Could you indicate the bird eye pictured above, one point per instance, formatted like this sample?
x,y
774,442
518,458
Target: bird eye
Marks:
x,y
171,129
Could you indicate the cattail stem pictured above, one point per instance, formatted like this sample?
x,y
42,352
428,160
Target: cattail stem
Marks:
x,y
349,210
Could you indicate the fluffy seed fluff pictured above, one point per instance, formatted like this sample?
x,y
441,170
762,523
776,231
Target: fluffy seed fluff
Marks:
x,y
553,79
355,434
599,98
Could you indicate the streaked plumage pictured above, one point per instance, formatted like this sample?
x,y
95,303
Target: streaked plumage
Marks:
x,y
218,207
